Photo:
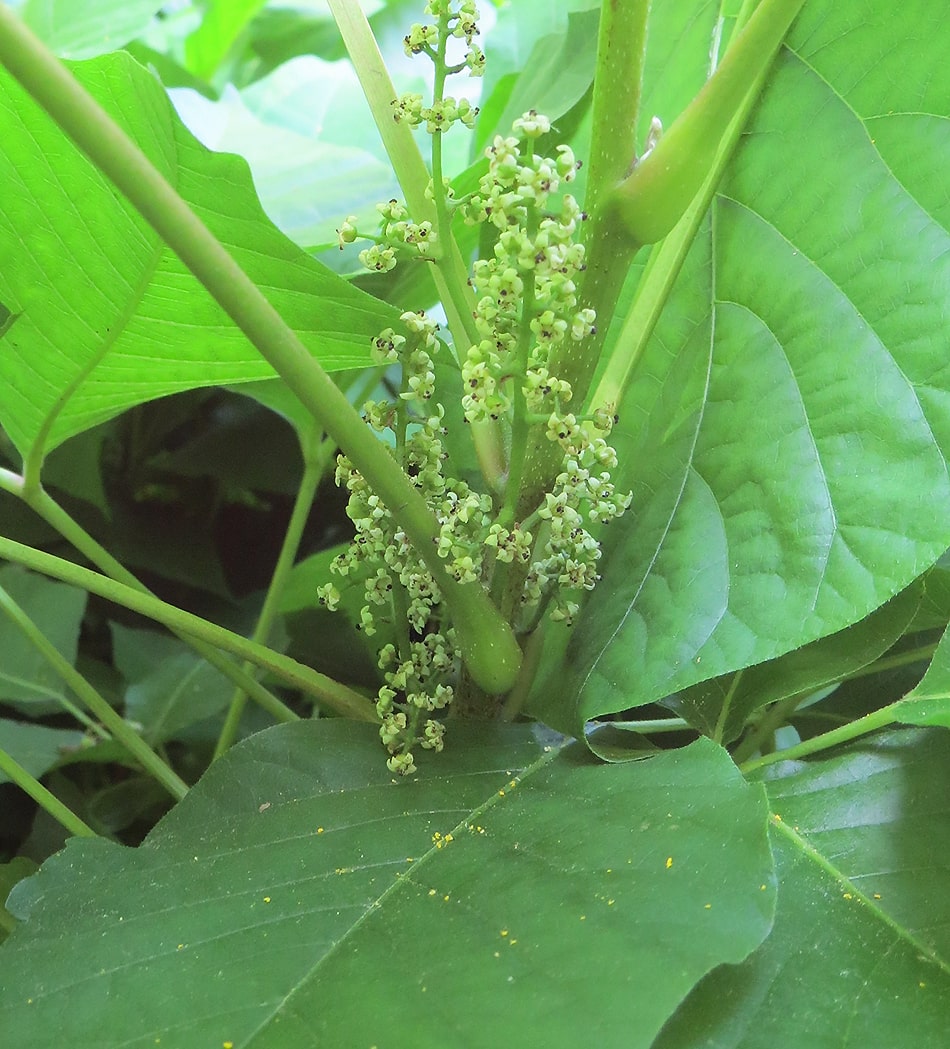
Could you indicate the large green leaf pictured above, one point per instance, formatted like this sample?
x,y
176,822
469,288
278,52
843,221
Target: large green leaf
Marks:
x,y
860,952
786,434
105,315
301,897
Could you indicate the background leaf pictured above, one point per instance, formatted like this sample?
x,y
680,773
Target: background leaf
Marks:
x,y
106,316
37,748
786,433
510,871
860,952
169,687
27,681
929,702
721,706
91,28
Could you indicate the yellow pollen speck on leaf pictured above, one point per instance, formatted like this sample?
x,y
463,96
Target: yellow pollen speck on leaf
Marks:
x,y
847,896
504,932
511,943
610,903
669,862
432,892
583,917
319,830
922,984
501,794
708,906
446,898
763,887
227,1045
267,899
181,946
877,896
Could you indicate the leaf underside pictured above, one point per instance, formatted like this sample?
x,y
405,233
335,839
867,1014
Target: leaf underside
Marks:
x,y
105,315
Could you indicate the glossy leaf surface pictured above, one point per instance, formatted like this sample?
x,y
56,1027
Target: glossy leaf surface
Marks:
x,y
720,707
860,952
508,871
786,433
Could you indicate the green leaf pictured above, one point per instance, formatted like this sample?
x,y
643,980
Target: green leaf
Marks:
x,y
860,951
36,747
107,316
10,873
27,681
929,702
307,185
339,902
786,433
555,77
91,28
720,707
220,27
169,687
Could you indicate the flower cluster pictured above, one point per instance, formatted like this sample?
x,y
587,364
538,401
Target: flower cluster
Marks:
x,y
527,311
398,238
527,292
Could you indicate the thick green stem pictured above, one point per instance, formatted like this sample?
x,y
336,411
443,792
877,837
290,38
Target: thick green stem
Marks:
x,y
334,695
667,258
488,644
853,730
44,798
42,503
117,725
656,194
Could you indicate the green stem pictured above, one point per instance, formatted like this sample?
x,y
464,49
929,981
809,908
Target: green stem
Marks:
x,y
771,720
650,726
317,453
655,195
117,725
334,695
488,644
314,469
44,798
43,504
726,707
853,730
667,258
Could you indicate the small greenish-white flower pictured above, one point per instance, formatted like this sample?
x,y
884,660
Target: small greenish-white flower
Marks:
x,y
328,596
420,38
347,233
378,257
532,124
402,763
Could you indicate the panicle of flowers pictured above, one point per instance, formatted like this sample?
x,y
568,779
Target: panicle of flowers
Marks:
x,y
398,238
527,313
